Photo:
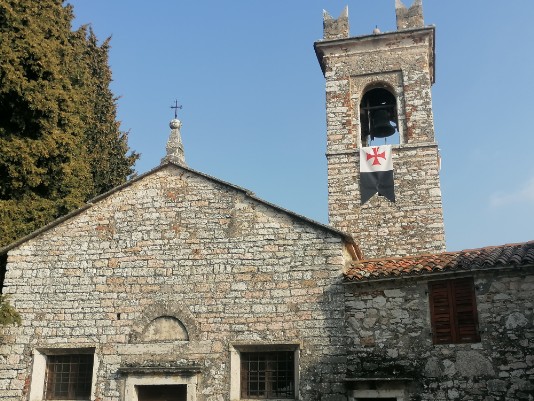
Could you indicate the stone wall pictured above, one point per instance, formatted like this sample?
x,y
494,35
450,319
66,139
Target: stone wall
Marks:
x,y
389,328
413,224
215,264
402,62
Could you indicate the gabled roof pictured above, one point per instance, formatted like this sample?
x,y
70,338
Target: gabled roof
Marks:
x,y
247,193
510,255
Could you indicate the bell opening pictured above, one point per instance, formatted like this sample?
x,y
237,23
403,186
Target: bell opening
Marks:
x,y
378,115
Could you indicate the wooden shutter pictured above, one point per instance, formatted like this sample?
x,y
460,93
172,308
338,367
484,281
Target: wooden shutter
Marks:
x,y
441,312
453,311
465,310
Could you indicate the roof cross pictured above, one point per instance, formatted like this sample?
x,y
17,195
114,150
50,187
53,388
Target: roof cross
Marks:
x,y
176,107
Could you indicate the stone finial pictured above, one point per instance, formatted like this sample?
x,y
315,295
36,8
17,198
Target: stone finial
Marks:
x,y
175,149
336,28
409,17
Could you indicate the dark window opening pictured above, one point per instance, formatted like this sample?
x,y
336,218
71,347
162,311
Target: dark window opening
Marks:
x,y
68,377
268,374
170,392
378,115
377,399
453,311
3,269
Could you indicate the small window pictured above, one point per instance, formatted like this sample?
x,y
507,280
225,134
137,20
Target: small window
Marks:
x,y
268,374
453,311
68,377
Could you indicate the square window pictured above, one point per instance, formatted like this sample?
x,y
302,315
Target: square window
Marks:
x,y
269,374
453,311
264,371
68,377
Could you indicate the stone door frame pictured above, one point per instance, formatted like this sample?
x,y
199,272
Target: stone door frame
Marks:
x,y
159,377
377,388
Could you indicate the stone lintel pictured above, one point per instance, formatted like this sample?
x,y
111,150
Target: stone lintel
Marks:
x,y
160,370
378,379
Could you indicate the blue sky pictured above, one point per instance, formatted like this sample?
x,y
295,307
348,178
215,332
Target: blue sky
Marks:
x,y
254,105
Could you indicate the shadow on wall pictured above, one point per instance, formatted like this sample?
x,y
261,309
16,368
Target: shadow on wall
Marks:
x,y
323,361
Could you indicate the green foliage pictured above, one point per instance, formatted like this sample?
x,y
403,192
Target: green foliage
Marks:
x,y
109,165
8,314
60,143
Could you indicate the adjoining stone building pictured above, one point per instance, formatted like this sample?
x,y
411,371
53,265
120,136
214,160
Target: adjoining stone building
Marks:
x,y
179,286
448,326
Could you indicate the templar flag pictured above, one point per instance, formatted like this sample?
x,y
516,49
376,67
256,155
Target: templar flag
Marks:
x,y
376,172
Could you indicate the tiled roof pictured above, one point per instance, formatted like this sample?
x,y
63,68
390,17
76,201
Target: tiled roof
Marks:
x,y
471,259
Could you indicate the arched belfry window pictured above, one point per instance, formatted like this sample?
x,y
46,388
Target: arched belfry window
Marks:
x,y
378,115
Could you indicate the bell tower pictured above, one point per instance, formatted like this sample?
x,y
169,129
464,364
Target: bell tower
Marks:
x,y
377,92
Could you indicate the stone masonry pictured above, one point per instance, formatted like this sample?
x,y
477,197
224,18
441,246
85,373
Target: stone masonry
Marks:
x,y
175,244
403,63
388,324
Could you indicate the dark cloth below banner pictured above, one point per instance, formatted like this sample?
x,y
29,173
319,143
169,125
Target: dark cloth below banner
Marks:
x,y
380,182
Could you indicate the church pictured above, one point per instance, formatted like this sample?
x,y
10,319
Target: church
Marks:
x,y
178,286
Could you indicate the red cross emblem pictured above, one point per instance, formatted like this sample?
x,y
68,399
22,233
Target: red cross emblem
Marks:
x,y
375,156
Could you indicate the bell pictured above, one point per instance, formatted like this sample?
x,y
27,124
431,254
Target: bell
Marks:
x,y
380,124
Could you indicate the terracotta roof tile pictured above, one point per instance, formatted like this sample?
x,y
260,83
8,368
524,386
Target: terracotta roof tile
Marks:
x,y
518,255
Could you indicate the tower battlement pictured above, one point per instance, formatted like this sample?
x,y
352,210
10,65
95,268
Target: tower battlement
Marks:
x,y
409,17
336,28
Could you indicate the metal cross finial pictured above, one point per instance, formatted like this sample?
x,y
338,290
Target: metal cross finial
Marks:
x,y
176,107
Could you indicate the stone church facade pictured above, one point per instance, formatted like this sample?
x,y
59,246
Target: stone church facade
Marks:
x,y
169,280
179,286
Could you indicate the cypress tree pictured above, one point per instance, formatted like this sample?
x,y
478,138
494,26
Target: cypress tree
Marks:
x,y
55,104
108,159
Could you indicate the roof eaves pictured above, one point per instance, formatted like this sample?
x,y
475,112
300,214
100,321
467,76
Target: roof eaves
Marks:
x,y
372,278
253,196
43,229
320,44
81,209
112,191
